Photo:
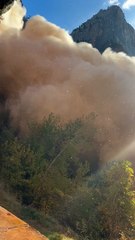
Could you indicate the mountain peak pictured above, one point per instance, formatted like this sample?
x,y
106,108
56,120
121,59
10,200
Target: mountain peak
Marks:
x,y
112,8
108,28
115,11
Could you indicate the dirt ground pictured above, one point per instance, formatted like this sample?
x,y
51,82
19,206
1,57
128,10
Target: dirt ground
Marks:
x,y
13,228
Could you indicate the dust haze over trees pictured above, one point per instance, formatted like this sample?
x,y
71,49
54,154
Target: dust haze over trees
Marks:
x,y
56,170
54,162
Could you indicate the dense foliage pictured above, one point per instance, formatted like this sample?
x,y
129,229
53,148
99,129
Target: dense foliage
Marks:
x,y
105,209
55,168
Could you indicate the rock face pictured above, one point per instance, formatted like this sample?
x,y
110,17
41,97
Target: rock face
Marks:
x,y
5,5
108,28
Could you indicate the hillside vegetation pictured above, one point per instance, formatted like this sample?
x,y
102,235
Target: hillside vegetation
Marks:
x,y
59,185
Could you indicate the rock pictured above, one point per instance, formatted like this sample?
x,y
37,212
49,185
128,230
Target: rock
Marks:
x,y
108,28
5,5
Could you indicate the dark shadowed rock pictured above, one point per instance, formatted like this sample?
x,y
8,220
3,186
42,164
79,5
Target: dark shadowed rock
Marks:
x,y
5,5
108,28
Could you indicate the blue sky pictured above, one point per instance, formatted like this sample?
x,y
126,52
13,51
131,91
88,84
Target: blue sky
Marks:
x,y
69,14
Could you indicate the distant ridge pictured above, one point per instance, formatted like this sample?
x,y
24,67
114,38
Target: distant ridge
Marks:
x,y
108,28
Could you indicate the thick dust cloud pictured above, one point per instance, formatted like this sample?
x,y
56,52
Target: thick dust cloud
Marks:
x,y
42,71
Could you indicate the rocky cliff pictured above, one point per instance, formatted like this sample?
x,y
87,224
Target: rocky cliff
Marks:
x,y
5,5
108,28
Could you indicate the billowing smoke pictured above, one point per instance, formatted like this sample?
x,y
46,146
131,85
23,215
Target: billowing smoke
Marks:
x,y
42,71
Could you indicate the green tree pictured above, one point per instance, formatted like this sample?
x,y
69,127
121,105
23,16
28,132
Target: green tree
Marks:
x,y
18,168
106,209
50,136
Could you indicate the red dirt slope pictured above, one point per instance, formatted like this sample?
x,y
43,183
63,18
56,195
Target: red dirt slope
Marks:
x,y
13,228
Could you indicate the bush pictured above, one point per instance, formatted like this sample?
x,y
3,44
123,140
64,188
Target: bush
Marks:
x,y
106,209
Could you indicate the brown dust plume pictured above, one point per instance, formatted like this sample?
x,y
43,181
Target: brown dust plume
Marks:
x,y
42,71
